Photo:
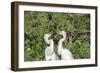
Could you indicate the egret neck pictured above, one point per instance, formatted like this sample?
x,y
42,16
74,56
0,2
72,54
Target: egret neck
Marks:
x,y
60,45
51,44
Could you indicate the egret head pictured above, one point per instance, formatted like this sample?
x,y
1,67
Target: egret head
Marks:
x,y
46,37
62,33
48,34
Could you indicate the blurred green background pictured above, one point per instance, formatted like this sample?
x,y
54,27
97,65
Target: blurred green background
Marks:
x,y
37,24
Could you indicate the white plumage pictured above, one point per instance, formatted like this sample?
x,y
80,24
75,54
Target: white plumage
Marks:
x,y
49,51
64,52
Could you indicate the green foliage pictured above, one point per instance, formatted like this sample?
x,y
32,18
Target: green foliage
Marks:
x,y
37,24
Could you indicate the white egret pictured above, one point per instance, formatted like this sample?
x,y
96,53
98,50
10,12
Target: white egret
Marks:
x,y
49,51
64,52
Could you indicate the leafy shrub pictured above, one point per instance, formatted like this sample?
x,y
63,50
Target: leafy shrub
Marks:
x,y
37,24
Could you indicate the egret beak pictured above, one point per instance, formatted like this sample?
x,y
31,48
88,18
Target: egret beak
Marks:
x,y
51,33
58,33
